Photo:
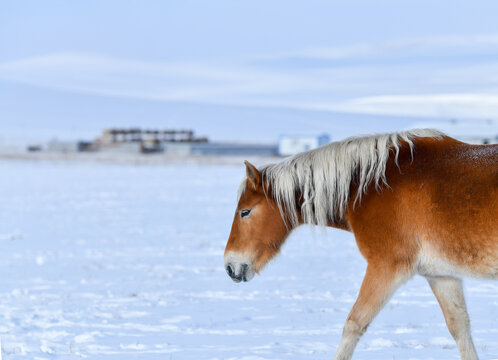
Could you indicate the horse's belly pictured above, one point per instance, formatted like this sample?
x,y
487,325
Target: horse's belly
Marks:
x,y
434,262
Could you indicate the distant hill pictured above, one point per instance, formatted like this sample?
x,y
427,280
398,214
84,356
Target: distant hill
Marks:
x,y
28,113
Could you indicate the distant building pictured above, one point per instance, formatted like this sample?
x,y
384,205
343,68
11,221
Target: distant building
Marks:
x,y
174,142
144,140
136,135
294,144
469,131
170,142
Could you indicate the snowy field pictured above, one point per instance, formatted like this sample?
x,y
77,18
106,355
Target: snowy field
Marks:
x,y
126,262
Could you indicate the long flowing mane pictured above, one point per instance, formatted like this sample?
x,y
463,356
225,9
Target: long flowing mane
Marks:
x,y
322,177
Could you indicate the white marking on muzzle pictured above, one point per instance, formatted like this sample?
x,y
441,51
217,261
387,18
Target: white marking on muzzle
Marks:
x,y
238,266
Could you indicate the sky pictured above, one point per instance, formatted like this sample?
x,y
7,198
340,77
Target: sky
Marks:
x,y
244,70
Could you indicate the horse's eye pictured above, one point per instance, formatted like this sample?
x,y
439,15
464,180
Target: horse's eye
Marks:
x,y
244,213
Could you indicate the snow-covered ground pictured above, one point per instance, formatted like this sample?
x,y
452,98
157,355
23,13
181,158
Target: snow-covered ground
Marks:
x,y
125,262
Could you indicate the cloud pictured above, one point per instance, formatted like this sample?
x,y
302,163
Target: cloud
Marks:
x,y
218,83
432,105
445,45
442,89
157,81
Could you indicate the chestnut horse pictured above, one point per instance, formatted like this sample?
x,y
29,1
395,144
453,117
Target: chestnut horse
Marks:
x,y
417,202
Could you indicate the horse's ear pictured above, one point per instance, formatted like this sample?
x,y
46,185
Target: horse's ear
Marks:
x,y
253,174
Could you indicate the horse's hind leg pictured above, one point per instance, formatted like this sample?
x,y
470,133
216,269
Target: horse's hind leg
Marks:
x,y
449,294
378,285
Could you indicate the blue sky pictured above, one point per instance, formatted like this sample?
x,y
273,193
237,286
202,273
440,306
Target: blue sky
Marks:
x,y
70,68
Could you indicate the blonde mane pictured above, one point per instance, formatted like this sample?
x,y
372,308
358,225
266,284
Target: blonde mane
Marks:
x,y
323,176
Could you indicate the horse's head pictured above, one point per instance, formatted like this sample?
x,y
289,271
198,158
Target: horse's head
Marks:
x,y
257,232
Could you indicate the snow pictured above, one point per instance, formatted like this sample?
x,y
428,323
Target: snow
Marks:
x,y
126,262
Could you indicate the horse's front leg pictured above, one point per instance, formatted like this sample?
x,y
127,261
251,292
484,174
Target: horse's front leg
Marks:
x,y
379,283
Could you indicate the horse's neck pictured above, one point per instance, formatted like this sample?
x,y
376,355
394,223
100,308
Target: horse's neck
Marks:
x,y
338,221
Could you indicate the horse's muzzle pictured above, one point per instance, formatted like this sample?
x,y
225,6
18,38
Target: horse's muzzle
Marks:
x,y
238,269
242,275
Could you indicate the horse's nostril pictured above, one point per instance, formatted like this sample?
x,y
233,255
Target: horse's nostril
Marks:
x,y
244,269
230,270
